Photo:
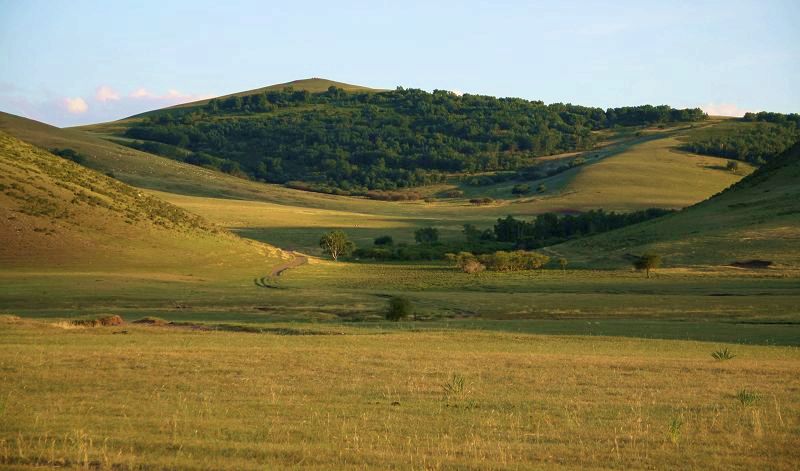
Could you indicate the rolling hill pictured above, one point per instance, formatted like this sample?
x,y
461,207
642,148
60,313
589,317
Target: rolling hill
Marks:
x,y
293,218
758,218
58,215
349,142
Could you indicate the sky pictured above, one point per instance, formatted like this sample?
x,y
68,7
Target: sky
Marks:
x,y
76,62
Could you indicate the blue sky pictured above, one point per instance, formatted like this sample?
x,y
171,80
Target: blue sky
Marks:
x,y
75,62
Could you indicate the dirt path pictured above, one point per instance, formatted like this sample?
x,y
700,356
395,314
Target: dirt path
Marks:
x,y
297,261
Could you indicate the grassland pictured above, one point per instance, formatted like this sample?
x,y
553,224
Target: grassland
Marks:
x,y
306,373
171,397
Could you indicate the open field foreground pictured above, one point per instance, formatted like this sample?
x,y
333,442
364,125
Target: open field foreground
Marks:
x,y
149,397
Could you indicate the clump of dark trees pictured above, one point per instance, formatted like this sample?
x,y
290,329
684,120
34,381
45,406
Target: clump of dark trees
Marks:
x,y
771,135
337,141
507,234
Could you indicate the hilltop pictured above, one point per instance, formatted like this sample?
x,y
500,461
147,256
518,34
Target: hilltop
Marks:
x,y
58,214
311,85
757,218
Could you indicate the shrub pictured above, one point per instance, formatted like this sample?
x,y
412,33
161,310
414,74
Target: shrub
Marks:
x,y
521,189
384,240
399,307
514,261
107,320
473,267
426,235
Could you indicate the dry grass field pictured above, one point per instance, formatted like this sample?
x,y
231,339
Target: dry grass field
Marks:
x,y
142,397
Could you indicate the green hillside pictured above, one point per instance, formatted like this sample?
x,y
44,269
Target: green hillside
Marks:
x,y
59,215
758,218
353,142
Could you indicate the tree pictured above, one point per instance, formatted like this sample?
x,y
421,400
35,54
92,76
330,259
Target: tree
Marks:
x,y
733,166
426,235
472,233
384,240
647,262
562,262
399,307
336,244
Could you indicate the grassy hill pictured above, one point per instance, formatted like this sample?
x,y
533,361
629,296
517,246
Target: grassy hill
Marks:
x,y
59,215
294,218
758,218
353,142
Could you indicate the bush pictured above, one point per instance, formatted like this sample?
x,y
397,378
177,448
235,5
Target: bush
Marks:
x,y
384,240
426,235
514,261
521,189
466,262
399,307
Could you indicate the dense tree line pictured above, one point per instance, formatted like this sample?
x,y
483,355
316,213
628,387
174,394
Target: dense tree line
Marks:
x,y
509,233
550,228
769,135
384,141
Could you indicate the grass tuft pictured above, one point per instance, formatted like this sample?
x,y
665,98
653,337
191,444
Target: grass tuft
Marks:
x,y
722,355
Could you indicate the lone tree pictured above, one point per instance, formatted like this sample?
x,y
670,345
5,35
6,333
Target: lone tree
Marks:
x,y
399,308
647,262
336,244
562,262
426,235
732,166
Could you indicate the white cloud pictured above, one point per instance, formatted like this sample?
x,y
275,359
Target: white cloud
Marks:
x,y
105,104
140,93
172,97
723,109
105,93
76,105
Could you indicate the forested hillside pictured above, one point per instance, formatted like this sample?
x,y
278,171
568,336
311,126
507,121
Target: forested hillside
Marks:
x,y
756,138
385,140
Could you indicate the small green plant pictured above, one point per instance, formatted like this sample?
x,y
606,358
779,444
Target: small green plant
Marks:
x,y
455,387
675,426
399,308
747,397
723,354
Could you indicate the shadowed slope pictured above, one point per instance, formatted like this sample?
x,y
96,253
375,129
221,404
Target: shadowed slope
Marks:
x,y
57,214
